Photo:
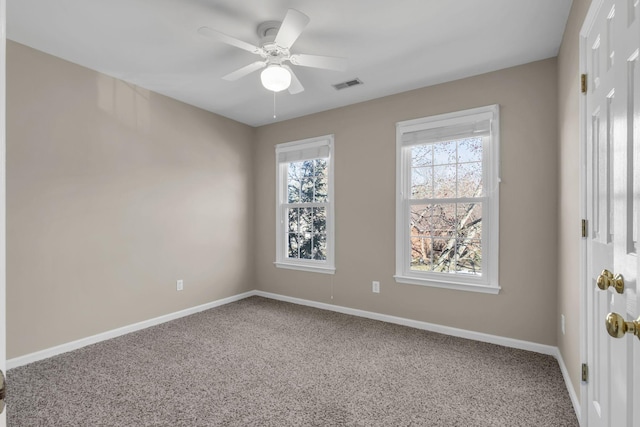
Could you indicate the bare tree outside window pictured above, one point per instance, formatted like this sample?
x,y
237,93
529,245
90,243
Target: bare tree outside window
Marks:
x,y
307,188
446,206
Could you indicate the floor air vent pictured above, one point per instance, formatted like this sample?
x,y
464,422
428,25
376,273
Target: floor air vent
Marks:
x,y
347,84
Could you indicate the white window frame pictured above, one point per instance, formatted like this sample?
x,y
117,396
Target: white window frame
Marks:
x,y
292,149
488,281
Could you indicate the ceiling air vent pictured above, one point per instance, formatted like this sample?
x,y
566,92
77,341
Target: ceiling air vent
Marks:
x,y
344,85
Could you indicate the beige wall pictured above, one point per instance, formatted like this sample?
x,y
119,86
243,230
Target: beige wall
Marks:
x,y
365,206
113,193
569,191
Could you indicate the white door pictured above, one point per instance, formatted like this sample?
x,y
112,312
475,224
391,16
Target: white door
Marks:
x,y
611,39
3,38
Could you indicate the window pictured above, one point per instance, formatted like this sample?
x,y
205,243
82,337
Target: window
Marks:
x,y
447,200
304,217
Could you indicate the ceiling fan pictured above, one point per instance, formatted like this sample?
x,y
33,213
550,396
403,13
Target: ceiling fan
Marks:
x,y
276,38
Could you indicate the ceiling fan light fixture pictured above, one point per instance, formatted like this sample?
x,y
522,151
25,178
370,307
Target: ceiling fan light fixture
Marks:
x,y
275,78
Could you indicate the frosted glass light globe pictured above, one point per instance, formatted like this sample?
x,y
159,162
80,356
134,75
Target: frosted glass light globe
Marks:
x,y
275,78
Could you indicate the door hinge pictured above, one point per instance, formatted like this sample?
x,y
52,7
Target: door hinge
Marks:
x,y
585,372
584,228
583,83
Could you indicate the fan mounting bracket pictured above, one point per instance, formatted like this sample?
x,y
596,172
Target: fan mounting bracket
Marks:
x,y
268,30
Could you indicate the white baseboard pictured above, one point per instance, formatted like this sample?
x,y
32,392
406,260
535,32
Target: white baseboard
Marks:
x,y
462,333
567,380
74,345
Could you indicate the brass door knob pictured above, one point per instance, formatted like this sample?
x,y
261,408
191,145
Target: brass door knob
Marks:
x,y
618,327
606,279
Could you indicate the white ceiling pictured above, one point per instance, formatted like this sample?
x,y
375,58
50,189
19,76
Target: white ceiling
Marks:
x,y
392,46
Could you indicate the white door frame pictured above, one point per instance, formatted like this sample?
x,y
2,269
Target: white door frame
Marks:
x,y
584,283
3,198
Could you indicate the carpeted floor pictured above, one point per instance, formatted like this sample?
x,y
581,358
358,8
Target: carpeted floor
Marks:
x,y
259,362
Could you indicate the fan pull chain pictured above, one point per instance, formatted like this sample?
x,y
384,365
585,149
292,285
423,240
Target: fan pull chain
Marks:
x,y
274,105
332,276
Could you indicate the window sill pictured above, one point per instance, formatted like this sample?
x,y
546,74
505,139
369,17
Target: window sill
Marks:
x,y
306,267
470,287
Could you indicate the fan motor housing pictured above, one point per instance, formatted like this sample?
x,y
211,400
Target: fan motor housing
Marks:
x,y
267,31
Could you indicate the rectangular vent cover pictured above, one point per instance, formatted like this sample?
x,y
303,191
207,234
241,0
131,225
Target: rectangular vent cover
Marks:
x,y
347,84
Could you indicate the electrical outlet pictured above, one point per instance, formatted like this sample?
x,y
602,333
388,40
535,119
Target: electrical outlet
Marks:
x,y
179,285
375,287
562,323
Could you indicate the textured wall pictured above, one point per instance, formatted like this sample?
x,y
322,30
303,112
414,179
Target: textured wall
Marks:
x,y
569,190
114,193
365,206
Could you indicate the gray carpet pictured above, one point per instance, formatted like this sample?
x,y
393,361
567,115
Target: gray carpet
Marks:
x,y
259,362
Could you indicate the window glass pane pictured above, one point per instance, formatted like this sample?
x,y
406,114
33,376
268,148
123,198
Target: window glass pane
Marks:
x,y
444,153
306,220
295,170
321,167
421,252
321,181
322,188
307,237
420,221
306,228
443,220
307,189
470,179
307,181
306,250
469,245
292,245
470,150
422,155
293,191
292,220
308,169
444,181
444,255
421,183
469,220
447,237
443,225
320,247
319,220
469,256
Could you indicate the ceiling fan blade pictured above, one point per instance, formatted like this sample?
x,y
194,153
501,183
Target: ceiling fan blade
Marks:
x,y
318,61
295,86
247,69
291,28
218,36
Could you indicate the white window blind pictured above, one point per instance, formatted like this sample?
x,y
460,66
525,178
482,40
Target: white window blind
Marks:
x,y
297,154
448,133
